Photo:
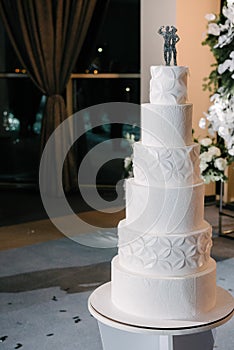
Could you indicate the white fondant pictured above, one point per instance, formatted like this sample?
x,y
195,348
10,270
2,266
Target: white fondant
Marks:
x,y
164,297
168,84
167,210
154,166
164,270
166,126
174,255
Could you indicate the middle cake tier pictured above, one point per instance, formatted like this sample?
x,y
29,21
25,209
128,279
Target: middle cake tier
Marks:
x,y
164,209
166,166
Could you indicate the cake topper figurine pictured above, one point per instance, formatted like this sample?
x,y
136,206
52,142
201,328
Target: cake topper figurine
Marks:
x,y
170,40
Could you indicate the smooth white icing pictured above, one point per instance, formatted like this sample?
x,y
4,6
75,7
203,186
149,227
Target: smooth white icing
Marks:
x,y
166,166
166,126
161,297
154,254
161,209
168,84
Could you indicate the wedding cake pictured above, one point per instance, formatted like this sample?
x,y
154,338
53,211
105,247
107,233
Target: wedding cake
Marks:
x,y
163,269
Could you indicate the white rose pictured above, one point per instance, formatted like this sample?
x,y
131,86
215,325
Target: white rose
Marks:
x,y
230,2
211,131
127,162
215,177
223,131
227,64
220,163
205,157
214,97
210,17
213,29
203,166
224,66
202,123
206,179
214,151
231,151
229,12
206,141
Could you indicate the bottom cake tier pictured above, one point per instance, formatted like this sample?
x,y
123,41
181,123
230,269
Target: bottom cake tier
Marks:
x,y
157,297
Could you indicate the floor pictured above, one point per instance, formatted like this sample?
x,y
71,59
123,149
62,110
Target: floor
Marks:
x,y
46,278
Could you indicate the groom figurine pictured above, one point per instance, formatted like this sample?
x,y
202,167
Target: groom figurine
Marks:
x,y
165,32
170,40
174,40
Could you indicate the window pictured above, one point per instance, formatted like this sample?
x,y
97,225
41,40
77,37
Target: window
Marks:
x,y
111,48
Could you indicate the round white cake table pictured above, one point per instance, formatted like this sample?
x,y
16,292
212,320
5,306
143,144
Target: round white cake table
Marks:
x,y
121,331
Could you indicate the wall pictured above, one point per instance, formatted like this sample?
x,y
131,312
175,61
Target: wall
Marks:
x,y
191,26
188,16
154,13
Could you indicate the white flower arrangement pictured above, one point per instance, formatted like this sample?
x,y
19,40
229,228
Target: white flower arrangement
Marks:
x,y
220,115
213,161
224,31
227,65
128,161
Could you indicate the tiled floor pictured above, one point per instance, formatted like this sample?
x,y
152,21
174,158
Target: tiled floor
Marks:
x,y
45,280
44,289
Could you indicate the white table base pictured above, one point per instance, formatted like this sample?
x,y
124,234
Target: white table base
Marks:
x,y
115,339
121,331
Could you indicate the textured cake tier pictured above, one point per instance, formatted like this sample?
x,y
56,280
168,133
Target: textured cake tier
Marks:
x,y
166,126
160,166
171,255
164,210
168,84
164,297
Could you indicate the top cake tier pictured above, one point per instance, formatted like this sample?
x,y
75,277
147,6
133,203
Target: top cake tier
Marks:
x,y
168,85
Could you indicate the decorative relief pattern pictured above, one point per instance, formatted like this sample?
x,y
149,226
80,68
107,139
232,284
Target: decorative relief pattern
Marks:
x,y
168,86
177,166
167,254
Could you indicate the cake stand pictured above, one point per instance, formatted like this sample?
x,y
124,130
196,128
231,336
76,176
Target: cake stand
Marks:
x,y
120,330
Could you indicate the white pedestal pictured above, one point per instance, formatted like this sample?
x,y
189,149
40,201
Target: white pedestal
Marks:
x,y
120,331
115,339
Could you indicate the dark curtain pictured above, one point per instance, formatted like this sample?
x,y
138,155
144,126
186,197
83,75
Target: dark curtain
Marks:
x,y
47,36
92,40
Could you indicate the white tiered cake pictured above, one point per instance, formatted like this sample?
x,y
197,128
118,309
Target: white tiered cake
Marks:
x,y
164,269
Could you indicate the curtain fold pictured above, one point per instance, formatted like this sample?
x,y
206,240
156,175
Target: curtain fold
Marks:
x,y
47,36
